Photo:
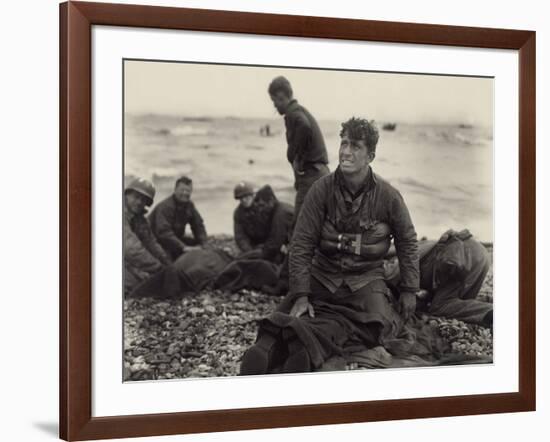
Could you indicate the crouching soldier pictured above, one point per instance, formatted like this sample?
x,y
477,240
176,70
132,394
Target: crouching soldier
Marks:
x,y
338,295
452,271
171,216
143,256
261,223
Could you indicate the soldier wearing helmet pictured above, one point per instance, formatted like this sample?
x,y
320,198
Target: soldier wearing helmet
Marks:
x,y
244,192
143,256
261,222
171,216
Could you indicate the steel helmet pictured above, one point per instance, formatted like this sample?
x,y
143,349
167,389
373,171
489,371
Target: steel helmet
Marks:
x,y
243,189
144,187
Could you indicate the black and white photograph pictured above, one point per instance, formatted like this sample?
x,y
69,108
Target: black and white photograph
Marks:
x,y
282,219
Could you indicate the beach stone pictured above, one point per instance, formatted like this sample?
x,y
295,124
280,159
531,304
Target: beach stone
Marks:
x,y
196,311
210,309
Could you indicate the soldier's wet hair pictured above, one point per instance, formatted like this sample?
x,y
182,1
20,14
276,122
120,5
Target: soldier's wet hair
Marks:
x,y
361,129
184,180
280,84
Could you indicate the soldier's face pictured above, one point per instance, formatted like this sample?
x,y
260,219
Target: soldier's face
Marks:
x,y
246,201
280,101
135,202
353,155
183,192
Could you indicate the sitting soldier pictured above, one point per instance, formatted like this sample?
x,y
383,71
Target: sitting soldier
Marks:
x,y
338,295
261,223
143,256
171,216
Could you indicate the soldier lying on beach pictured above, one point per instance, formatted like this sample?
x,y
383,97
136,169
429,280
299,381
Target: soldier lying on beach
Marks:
x,y
339,297
171,216
452,271
261,223
143,256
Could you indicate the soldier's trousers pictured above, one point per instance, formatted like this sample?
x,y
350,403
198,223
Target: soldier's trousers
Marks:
x,y
303,183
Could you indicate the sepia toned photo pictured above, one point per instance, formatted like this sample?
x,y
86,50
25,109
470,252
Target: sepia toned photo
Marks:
x,y
286,220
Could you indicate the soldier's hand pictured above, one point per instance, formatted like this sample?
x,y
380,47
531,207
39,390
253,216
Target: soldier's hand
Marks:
x,y
302,305
407,305
329,232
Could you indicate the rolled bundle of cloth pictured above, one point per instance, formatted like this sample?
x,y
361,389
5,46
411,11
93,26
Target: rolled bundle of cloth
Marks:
x,y
372,243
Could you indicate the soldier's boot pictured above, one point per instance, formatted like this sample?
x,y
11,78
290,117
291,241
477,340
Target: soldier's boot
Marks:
x,y
262,356
298,360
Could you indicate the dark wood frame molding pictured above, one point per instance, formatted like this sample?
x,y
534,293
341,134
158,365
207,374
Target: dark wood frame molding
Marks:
x,y
76,20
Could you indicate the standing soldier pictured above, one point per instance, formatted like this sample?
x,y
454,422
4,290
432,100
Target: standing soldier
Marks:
x,y
306,150
143,256
171,216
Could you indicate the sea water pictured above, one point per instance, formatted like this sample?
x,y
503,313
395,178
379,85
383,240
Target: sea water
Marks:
x,y
444,172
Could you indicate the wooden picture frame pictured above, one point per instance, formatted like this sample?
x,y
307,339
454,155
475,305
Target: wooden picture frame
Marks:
x,y
76,21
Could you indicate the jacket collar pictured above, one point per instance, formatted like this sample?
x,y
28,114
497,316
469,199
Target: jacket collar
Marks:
x,y
128,214
369,183
131,217
179,203
292,106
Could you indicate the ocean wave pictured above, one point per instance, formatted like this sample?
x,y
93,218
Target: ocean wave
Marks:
x,y
164,174
463,138
417,185
188,130
469,193
198,119
438,168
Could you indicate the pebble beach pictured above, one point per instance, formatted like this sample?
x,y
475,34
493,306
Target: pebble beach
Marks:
x,y
206,335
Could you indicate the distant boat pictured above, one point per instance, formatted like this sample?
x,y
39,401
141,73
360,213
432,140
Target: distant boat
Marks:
x,y
465,126
389,126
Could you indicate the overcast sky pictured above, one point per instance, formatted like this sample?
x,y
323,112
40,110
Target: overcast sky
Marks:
x,y
241,91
